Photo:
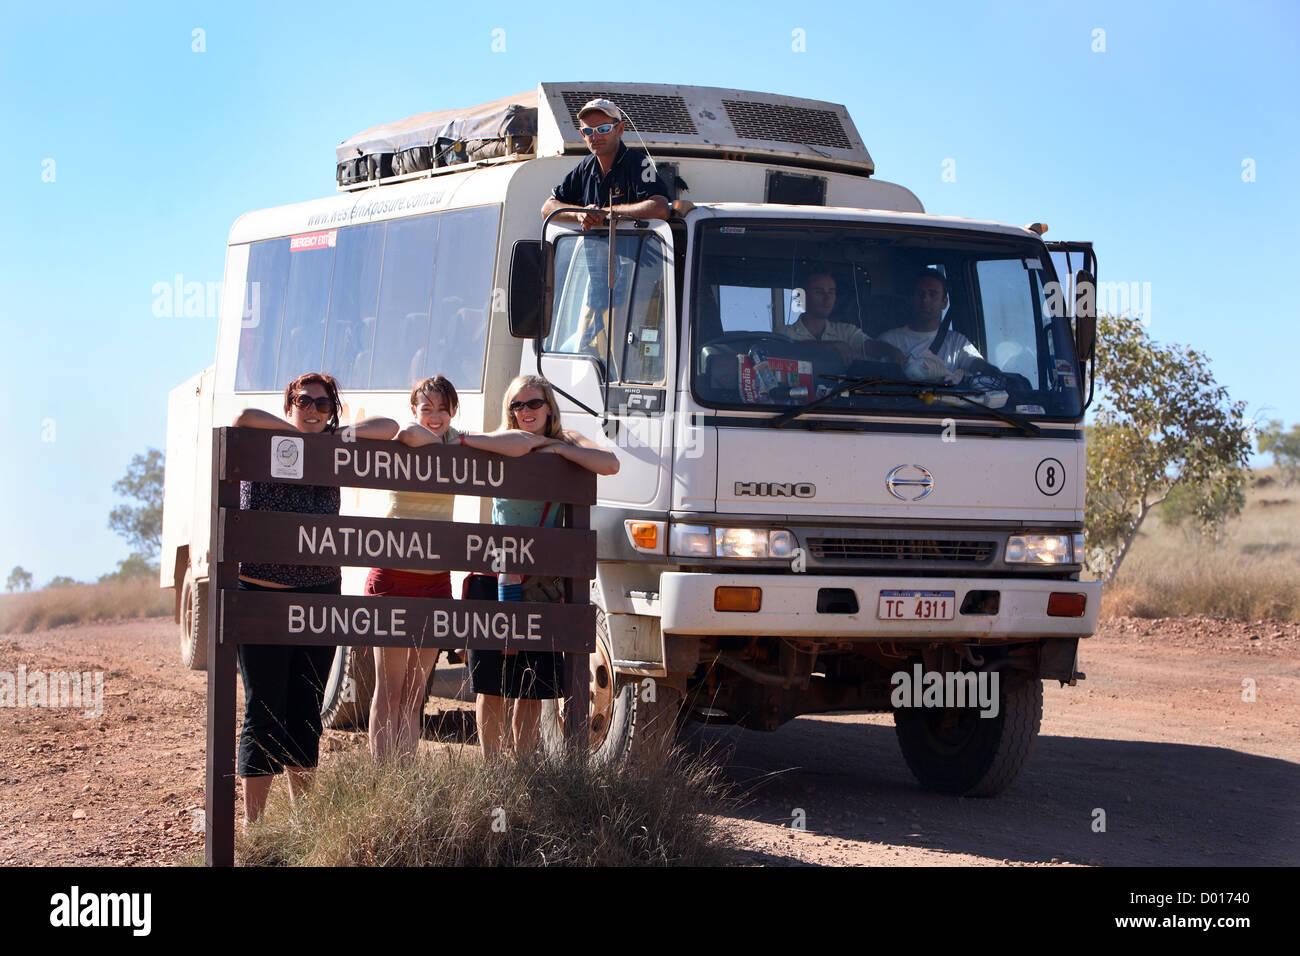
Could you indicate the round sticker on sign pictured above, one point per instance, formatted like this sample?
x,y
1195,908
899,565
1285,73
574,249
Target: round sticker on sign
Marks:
x,y
1050,476
286,457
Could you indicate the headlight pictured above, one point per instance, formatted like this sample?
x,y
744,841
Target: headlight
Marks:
x,y
1040,549
691,540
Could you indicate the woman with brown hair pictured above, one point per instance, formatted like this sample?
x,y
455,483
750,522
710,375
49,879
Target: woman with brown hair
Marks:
x,y
528,678
284,684
401,673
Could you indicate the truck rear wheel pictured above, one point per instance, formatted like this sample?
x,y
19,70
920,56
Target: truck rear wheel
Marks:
x,y
627,714
351,684
954,750
194,623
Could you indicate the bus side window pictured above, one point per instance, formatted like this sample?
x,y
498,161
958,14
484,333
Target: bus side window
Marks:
x,y
302,338
259,336
404,294
354,298
462,295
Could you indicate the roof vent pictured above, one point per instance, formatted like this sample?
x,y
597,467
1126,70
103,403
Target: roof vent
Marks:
x,y
649,112
786,124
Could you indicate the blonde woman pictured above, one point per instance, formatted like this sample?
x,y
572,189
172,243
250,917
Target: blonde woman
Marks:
x,y
402,673
528,408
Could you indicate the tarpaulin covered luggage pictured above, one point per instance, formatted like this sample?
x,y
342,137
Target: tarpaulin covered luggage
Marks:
x,y
442,138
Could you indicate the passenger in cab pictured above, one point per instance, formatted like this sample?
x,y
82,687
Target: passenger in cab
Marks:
x,y
955,353
613,177
814,325
284,684
528,677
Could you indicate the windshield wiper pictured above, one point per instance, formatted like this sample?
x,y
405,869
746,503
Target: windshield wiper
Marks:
x,y
893,386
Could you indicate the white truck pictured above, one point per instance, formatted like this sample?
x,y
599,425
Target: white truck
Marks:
x,y
796,527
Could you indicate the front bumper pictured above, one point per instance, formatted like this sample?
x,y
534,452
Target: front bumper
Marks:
x,y
789,608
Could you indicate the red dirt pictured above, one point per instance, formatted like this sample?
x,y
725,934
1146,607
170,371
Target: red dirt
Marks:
x,y
1158,737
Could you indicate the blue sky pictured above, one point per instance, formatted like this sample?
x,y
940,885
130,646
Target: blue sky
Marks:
x,y
157,149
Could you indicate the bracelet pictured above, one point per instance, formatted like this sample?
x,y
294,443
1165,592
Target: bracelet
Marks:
x,y
462,438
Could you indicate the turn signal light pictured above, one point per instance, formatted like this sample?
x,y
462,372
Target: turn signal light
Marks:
x,y
645,535
737,599
1066,604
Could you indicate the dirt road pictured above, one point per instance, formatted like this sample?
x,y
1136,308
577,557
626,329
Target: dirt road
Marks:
x,y
1157,744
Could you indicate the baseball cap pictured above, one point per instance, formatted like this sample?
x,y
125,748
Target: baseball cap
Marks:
x,y
605,106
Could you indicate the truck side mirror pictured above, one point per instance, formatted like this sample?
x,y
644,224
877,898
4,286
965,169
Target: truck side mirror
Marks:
x,y
526,310
1085,314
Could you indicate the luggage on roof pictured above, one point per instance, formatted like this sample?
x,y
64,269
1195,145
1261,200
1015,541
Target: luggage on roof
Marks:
x,y
442,138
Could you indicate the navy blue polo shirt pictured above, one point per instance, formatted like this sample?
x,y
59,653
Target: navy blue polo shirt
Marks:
x,y
623,184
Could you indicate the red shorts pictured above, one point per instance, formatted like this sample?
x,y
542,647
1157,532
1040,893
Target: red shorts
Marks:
x,y
389,582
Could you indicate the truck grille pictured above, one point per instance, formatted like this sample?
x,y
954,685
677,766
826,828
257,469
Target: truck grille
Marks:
x,y
899,549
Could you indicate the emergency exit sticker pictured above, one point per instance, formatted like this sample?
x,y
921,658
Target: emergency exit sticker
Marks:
x,y
313,240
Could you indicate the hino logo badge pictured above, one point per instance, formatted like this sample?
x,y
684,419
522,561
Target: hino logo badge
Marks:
x,y
776,489
909,482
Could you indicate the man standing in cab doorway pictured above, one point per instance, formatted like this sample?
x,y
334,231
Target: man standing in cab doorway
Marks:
x,y
613,178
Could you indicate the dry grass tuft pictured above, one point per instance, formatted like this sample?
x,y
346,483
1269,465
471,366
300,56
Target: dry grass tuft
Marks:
x,y
83,603
452,809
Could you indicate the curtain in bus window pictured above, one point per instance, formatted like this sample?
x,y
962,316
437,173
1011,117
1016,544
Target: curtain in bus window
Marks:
x,y
462,295
259,336
402,330
354,297
306,302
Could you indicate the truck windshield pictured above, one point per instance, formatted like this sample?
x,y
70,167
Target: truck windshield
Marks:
x,y
785,314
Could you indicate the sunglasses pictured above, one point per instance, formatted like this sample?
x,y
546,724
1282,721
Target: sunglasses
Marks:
x,y
306,401
603,128
533,404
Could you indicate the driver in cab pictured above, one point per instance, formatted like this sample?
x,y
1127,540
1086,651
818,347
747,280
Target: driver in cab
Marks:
x,y
956,356
814,325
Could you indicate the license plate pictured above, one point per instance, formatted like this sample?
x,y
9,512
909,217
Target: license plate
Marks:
x,y
916,605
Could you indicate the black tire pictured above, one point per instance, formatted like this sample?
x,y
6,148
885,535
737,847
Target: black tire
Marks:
x,y
354,665
629,715
958,752
194,623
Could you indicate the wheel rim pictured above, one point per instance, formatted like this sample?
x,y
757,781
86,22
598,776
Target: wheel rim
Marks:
x,y
600,700
950,729
187,619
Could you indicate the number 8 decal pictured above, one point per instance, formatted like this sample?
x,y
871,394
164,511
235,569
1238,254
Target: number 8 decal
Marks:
x,y
1050,476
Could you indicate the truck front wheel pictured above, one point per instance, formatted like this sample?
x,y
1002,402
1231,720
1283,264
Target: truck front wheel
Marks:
x,y
351,684
628,714
194,623
954,750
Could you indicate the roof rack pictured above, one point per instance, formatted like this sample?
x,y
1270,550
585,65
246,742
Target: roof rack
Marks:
x,y
666,119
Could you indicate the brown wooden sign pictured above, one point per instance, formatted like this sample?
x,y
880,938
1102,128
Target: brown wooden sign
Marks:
x,y
265,617
284,538
324,619
259,455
